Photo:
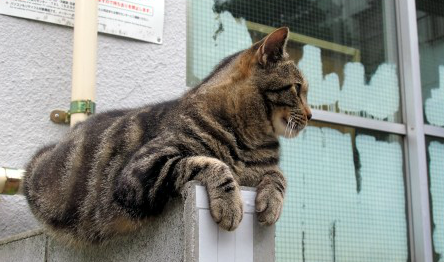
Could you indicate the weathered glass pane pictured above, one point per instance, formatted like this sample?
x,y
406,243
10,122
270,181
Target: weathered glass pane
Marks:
x,y
430,16
435,149
347,49
345,199
346,194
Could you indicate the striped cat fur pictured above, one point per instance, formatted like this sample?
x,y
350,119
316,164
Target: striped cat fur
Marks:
x,y
118,168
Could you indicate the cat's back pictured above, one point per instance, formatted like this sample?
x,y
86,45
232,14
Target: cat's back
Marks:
x,y
64,182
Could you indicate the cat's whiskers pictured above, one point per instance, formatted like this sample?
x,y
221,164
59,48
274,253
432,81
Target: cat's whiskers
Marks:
x,y
298,119
286,127
296,123
292,127
291,124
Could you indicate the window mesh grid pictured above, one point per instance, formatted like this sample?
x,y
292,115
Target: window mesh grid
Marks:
x,y
435,153
345,198
346,194
348,48
430,17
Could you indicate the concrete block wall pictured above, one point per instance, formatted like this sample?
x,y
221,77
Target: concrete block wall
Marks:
x,y
183,232
161,240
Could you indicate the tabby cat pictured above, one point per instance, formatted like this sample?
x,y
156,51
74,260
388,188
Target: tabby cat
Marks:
x,y
116,169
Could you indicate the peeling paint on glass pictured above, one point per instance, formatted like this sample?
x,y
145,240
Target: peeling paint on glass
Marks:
x,y
430,18
325,32
345,198
215,36
346,194
356,95
436,175
434,106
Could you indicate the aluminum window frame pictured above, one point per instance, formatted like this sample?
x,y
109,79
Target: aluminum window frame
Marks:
x,y
412,129
434,131
358,122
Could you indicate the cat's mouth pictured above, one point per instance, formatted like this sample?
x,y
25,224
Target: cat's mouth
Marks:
x,y
284,121
291,126
286,126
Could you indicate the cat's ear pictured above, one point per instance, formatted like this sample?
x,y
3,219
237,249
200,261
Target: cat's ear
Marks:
x,y
272,47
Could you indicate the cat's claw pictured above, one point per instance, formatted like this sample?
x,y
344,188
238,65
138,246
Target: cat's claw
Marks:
x,y
268,206
227,211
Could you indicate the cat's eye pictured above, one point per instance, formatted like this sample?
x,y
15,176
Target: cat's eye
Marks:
x,y
281,89
284,88
298,88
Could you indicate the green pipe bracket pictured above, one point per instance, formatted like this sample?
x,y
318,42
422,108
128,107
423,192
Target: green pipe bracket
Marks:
x,y
80,106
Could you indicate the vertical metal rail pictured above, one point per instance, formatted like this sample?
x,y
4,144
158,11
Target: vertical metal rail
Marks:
x,y
416,162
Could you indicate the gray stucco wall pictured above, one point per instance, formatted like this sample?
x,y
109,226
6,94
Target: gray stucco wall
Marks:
x,y
15,216
35,77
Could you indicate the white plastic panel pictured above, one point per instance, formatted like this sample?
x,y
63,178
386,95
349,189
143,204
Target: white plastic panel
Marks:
x,y
218,245
226,246
244,239
207,236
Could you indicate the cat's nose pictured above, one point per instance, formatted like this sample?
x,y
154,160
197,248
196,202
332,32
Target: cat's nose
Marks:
x,y
308,113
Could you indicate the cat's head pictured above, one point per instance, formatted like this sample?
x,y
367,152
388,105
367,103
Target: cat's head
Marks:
x,y
264,83
281,83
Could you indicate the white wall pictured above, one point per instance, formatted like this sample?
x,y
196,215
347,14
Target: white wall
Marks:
x,y
35,77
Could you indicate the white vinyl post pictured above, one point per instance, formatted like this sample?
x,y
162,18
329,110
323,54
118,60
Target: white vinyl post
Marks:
x,y
84,54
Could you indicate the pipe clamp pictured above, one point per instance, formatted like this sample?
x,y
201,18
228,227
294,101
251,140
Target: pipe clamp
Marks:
x,y
87,107
82,106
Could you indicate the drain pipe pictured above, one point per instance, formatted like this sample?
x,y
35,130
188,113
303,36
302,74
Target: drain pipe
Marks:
x,y
83,83
84,65
84,60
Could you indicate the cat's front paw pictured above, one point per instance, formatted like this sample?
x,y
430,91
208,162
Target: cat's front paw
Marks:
x,y
269,203
227,209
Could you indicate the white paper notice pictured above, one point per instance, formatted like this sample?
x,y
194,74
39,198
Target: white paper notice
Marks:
x,y
139,19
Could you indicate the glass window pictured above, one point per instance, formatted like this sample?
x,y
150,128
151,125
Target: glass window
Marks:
x,y
347,49
346,194
435,158
430,15
345,198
